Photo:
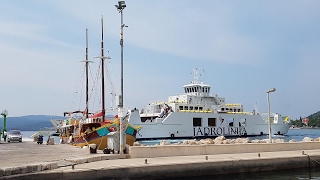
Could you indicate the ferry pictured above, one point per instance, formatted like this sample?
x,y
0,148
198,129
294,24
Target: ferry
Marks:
x,y
199,114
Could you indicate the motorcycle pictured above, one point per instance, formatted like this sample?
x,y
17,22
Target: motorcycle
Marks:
x,y
40,139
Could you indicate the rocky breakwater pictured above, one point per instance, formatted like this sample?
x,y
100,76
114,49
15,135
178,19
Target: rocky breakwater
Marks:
x,y
224,140
220,145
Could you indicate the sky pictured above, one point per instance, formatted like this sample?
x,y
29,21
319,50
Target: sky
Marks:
x,y
244,47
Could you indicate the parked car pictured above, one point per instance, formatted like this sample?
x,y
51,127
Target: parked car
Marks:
x,y
14,135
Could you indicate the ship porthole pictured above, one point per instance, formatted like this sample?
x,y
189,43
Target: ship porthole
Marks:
x,y
172,135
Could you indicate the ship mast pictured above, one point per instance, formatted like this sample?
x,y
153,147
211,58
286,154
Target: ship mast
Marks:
x,y
102,57
87,78
196,75
87,81
102,71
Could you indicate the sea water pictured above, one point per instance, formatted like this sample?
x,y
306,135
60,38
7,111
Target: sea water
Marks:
x,y
27,136
292,174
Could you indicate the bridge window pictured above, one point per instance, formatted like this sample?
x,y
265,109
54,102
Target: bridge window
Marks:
x,y
196,121
180,107
200,108
212,121
186,108
191,107
195,108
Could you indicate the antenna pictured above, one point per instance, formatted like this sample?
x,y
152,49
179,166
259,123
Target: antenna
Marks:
x,y
196,75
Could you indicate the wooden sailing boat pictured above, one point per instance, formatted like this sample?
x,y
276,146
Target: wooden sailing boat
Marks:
x,y
92,129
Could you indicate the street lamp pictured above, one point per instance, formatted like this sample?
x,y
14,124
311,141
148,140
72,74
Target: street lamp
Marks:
x,y
269,121
120,6
4,114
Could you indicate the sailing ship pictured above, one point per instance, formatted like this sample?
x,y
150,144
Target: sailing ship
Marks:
x,y
82,128
199,114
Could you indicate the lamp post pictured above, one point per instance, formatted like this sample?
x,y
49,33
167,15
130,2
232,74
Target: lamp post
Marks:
x,y
4,114
269,121
120,6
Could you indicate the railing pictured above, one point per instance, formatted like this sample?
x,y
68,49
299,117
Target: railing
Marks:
x,y
239,112
197,111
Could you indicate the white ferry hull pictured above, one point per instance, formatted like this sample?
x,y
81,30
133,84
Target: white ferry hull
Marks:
x,y
181,125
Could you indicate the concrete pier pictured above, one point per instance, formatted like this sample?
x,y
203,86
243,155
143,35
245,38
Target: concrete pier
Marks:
x,y
67,162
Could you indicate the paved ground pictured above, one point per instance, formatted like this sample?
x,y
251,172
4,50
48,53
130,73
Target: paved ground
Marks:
x,y
27,152
17,154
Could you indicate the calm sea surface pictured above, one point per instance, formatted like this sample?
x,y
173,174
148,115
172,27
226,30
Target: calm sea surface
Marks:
x,y
296,174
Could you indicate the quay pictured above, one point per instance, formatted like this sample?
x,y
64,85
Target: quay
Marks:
x,y
27,160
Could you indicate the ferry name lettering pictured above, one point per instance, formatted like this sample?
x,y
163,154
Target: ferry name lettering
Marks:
x,y
218,131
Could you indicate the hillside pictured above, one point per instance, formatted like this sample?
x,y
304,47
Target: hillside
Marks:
x,y
314,120
29,123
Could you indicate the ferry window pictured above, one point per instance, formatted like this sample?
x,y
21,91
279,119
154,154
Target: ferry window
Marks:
x,y
202,89
191,107
222,109
238,110
212,121
200,108
180,107
186,108
195,108
196,121
208,90
185,90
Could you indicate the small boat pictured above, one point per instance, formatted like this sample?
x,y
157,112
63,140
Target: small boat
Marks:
x,y
199,114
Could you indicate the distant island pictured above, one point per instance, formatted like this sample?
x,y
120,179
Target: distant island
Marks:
x,y
30,122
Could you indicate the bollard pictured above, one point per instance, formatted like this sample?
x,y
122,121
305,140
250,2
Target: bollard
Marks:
x,y
146,161
72,166
206,157
303,153
258,154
